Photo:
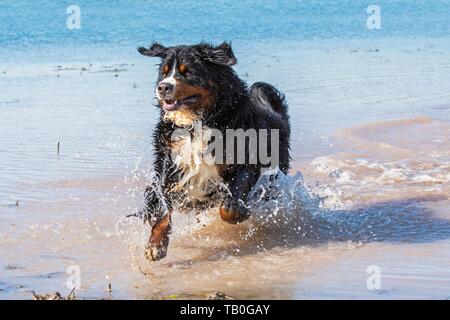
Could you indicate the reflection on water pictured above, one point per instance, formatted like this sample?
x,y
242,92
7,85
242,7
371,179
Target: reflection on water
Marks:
x,y
394,221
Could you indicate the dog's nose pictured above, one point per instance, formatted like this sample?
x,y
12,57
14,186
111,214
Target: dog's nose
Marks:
x,y
165,88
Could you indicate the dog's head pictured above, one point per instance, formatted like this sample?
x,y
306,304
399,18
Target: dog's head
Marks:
x,y
187,83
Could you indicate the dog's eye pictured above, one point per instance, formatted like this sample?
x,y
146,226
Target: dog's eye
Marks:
x,y
165,69
183,69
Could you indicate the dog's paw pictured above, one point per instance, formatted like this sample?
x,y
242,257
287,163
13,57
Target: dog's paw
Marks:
x,y
156,249
155,252
234,211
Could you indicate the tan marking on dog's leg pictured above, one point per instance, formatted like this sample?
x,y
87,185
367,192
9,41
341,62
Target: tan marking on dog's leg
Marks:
x,y
159,239
232,217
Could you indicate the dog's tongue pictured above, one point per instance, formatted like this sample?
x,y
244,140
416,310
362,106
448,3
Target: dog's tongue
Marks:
x,y
175,104
171,105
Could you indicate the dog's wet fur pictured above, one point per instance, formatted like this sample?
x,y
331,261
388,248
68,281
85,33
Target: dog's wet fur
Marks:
x,y
197,83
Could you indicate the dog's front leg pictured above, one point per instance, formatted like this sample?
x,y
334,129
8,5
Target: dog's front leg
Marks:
x,y
157,212
158,241
233,209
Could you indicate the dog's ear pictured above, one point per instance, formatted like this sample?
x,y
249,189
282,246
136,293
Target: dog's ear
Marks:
x,y
222,54
155,50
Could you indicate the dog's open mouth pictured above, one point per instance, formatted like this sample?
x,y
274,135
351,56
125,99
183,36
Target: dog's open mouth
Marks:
x,y
172,105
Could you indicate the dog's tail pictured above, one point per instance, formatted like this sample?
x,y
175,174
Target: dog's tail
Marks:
x,y
267,96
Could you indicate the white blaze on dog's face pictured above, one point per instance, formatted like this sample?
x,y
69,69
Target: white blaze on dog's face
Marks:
x,y
168,80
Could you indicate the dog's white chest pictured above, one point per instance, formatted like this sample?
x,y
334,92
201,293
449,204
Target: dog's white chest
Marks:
x,y
199,175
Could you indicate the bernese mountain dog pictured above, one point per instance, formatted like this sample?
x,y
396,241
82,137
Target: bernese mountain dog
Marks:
x,y
198,90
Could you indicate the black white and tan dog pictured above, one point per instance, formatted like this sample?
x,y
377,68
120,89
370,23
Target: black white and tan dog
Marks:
x,y
197,84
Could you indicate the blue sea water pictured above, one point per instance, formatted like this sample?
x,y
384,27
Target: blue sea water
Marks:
x,y
36,29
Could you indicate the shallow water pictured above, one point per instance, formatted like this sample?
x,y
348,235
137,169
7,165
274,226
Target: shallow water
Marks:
x,y
371,127
372,194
